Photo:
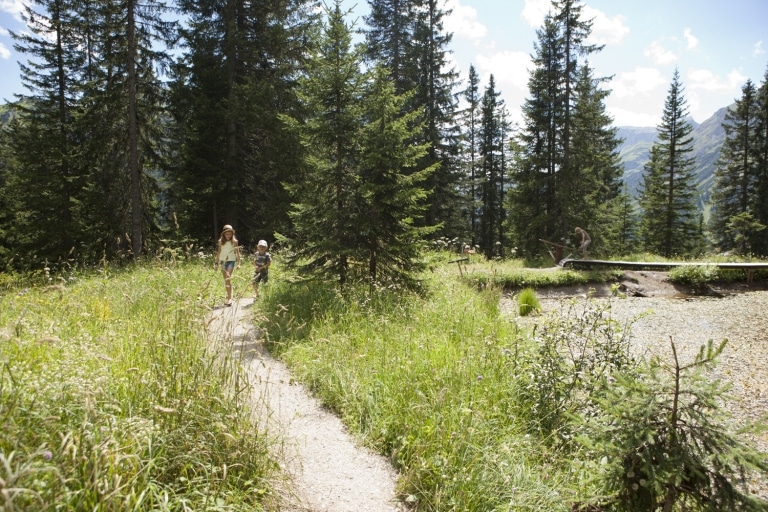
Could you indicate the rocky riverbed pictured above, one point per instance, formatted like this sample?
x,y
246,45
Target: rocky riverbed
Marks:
x,y
661,312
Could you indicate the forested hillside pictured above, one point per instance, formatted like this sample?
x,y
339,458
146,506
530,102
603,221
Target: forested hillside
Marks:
x,y
136,133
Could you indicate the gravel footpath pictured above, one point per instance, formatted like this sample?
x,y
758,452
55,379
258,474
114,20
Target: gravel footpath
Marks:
x,y
326,469
691,322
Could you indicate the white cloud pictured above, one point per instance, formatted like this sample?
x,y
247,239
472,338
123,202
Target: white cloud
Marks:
x,y
14,7
692,40
625,117
534,12
508,68
5,53
759,50
659,55
463,22
605,30
639,81
706,80
510,71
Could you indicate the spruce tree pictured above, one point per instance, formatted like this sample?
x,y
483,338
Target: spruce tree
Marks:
x,y
595,161
736,174
392,196
553,179
326,212
236,76
409,38
759,202
532,212
492,135
670,214
573,32
434,97
44,175
470,156
389,39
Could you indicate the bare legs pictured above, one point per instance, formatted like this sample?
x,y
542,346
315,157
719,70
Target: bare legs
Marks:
x,y
227,283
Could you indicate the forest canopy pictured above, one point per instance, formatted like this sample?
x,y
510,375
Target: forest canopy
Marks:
x,y
149,124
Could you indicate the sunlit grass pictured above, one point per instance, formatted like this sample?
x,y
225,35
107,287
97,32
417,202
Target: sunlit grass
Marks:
x,y
431,382
113,396
528,302
474,410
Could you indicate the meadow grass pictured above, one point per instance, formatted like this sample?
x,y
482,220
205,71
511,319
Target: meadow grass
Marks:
x,y
514,275
432,382
114,396
473,409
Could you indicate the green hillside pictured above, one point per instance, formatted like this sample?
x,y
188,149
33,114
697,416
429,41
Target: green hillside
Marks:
x,y
708,138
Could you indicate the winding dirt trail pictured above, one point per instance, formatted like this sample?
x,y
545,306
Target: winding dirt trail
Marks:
x,y
326,470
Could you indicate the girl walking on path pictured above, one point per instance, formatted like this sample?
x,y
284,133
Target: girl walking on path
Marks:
x,y
227,256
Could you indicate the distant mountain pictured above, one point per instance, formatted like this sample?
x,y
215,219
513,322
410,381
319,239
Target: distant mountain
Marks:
x,y
708,138
635,151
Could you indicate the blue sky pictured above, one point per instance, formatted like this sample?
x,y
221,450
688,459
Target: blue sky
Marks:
x,y
716,45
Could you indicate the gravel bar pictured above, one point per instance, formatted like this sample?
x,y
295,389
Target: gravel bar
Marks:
x,y
741,318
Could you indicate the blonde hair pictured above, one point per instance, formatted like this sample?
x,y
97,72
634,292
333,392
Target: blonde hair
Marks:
x,y
227,228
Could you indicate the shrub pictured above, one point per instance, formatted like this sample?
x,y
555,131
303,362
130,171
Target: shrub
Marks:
x,y
663,445
579,350
695,276
528,301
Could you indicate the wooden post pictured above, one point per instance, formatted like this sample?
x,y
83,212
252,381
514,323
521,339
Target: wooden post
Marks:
x,y
458,262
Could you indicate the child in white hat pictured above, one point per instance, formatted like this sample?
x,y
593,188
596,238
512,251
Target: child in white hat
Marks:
x,y
262,261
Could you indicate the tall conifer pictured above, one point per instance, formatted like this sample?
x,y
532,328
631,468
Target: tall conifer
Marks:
x,y
44,174
670,214
554,181
237,75
760,204
736,175
391,193
491,152
469,154
326,213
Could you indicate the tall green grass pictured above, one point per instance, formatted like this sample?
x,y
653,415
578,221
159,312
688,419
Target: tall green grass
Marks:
x,y
431,382
475,411
114,396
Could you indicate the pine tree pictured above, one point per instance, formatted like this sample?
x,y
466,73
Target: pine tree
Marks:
x,y
392,197
573,31
408,37
554,182
492,135
90,126
327,214
666,444
470,141
434,97
533,213
596,165
736,174
759,202
235,79
389,39
670,214
44,176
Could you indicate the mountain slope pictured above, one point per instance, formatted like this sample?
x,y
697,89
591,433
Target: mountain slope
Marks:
x,y
708,138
